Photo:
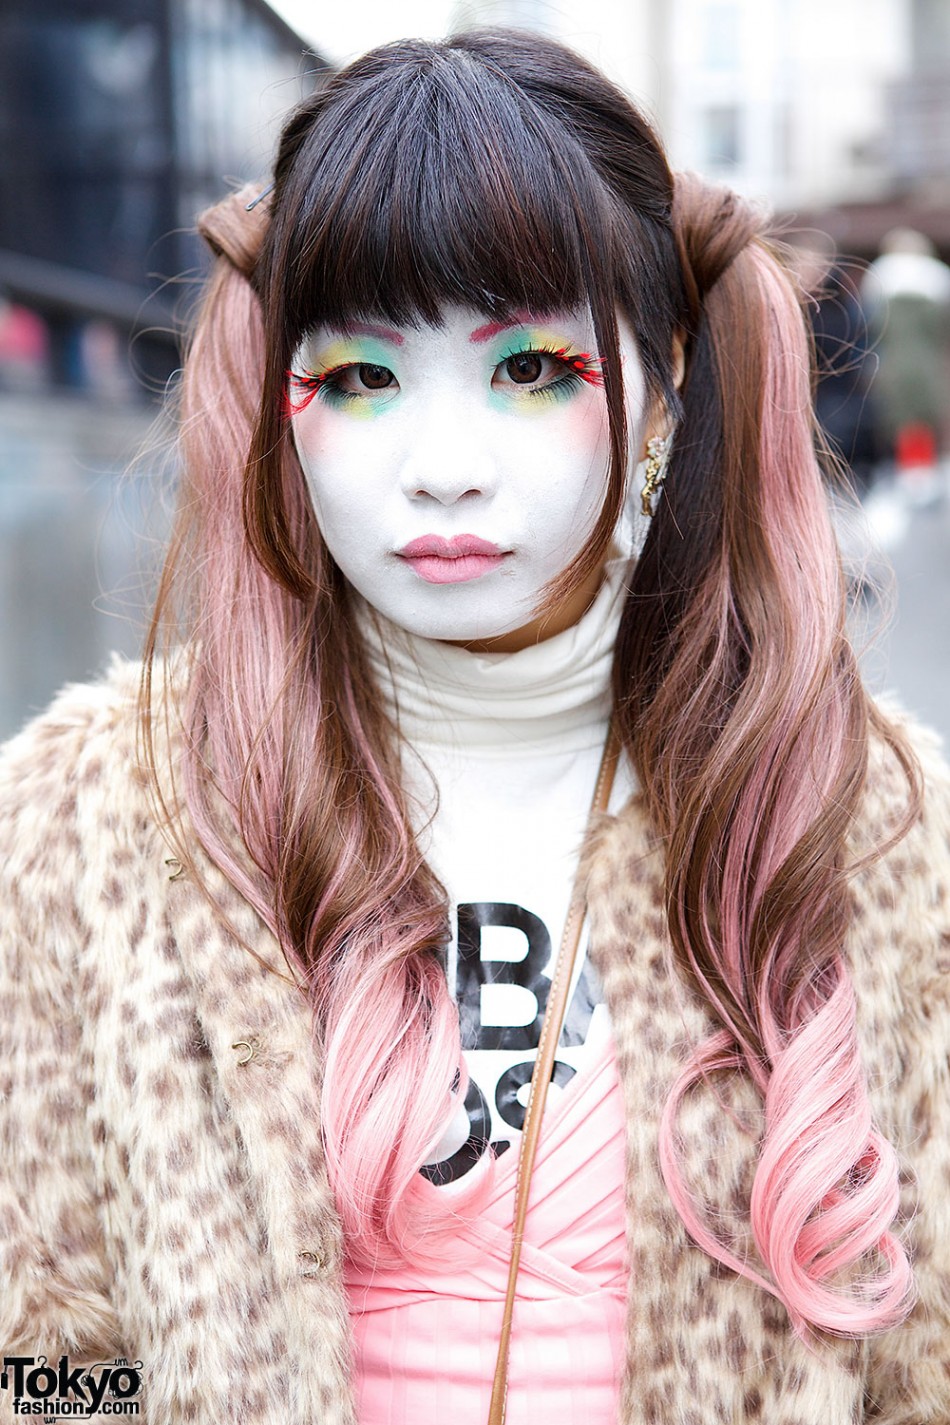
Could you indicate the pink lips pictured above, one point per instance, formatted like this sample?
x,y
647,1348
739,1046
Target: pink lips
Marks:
x,y
451,561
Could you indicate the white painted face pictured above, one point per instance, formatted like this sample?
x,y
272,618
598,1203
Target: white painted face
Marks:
x,y
456,470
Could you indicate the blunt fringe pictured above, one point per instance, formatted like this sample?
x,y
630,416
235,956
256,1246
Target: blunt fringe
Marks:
x,y
499,171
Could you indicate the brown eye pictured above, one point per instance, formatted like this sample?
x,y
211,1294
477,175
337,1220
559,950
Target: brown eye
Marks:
x,y
375,378
525,368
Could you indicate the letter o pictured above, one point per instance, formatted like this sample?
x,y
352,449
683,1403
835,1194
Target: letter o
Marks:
x,y
33,1385
133,1378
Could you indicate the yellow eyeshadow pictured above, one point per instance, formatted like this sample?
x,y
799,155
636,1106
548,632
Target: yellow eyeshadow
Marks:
x,y
337,353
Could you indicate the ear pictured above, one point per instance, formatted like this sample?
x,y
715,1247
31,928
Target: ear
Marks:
x,y
658,420
679,357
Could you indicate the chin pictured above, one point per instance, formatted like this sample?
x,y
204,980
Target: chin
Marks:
x,y
452,626
454,632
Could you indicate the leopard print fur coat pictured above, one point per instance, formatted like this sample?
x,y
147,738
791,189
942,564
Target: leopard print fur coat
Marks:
x,y
163,1193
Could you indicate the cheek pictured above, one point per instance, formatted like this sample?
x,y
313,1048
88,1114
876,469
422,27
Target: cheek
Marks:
x,y
591,435
337,459
574,465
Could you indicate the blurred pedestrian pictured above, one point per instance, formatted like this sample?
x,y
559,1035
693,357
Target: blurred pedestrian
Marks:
x,y
907,298
844,402
24,348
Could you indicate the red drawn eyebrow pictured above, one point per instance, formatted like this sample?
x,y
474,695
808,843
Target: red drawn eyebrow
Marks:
x,y
371,329
493,329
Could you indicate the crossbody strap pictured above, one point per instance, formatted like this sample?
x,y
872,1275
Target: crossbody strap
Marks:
x,y
541,1077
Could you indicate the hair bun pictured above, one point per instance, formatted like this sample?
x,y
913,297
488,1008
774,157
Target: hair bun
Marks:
x,y
233,231
712,225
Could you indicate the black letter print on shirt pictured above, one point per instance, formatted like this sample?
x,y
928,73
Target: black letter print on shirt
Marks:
x,y
464,1159
473,972
515,1078
528,972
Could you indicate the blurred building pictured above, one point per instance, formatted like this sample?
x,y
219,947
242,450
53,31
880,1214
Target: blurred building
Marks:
x,y
919,102
119,121
787,97
837,114
918,142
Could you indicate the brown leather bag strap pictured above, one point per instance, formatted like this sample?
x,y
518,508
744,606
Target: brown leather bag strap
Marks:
x,y
541,1077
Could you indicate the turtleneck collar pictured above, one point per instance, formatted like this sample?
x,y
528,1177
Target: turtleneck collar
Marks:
x,y
551,696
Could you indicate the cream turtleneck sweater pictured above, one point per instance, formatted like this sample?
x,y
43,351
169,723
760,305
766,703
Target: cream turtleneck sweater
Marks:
x,y
507,748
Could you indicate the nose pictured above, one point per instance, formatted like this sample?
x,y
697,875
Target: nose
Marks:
x,y
447,459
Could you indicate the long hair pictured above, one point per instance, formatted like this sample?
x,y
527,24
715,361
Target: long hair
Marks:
x,y
501,172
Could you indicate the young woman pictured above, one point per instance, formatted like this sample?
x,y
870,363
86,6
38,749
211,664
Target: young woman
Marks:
x,y
497,450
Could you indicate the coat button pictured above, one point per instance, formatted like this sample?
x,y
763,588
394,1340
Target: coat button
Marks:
x,y
317,1262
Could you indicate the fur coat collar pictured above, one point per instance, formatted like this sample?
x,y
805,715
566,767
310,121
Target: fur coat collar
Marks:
x,y
163,1194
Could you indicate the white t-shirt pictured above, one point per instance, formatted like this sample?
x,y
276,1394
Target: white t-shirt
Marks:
x,y
512,742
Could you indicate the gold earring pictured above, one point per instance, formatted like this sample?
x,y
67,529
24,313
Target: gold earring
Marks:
x,y
658,458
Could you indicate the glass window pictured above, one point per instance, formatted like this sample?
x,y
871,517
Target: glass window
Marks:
x,y
721,137
720,36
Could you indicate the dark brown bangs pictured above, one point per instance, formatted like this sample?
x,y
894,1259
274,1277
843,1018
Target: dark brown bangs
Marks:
x,y
447,190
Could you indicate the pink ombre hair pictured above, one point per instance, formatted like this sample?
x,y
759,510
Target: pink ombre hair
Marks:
x,y
535,184
757,793
283,740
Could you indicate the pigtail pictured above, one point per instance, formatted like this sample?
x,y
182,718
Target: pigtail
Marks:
x,y
744,708
284,741
207,580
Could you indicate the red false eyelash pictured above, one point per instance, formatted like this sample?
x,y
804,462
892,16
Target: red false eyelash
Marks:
x,y
309,382
588,367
